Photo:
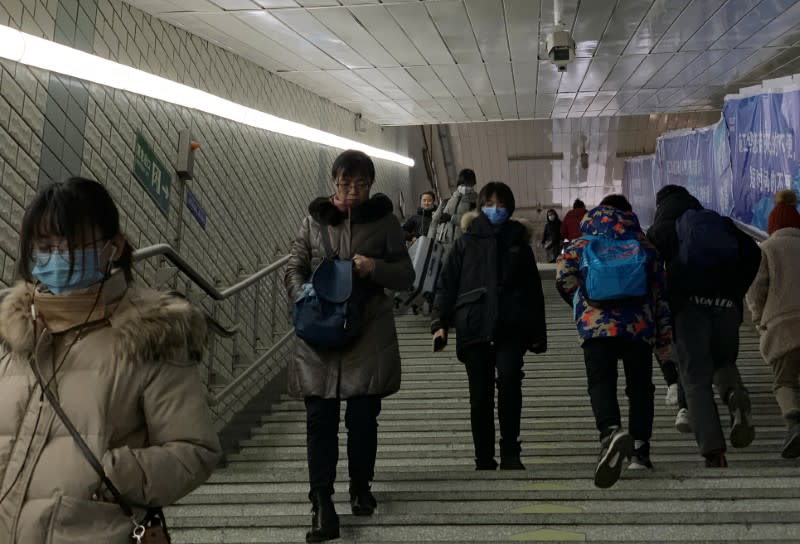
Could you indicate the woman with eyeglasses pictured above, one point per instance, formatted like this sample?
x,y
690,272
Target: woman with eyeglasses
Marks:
x,y
119,360
363,229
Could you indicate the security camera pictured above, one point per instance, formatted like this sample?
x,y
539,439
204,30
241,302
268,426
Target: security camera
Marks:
x,y
560,48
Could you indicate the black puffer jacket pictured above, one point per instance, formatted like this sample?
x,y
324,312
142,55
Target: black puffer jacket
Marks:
x,y
417,225
671,202
490,289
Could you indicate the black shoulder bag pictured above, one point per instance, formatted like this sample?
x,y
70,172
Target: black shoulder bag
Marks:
x,y
153,528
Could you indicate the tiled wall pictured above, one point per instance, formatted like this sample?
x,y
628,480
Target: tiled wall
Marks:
x,y
254,185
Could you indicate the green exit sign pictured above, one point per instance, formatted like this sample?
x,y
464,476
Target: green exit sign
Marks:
x,y
151,174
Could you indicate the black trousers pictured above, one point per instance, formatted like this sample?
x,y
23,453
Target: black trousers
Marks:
x,y
482,362
601,356
322,435
707,337
669,369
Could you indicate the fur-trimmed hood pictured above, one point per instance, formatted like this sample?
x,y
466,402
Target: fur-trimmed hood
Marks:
x,y
149,325
324,212
527,227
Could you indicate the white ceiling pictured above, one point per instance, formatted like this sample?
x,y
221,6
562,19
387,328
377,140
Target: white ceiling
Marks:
x,y
402,62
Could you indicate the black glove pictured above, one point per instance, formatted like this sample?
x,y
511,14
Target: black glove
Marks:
x,y
445,218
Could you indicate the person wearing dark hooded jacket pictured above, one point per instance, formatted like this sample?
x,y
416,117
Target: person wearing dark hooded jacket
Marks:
x,y
707,308
628,331
490,291
418,225
551,238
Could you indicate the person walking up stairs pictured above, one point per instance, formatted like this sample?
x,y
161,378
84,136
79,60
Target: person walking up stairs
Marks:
x,y
614,279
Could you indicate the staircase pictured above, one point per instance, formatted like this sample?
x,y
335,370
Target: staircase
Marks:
x,y
428,491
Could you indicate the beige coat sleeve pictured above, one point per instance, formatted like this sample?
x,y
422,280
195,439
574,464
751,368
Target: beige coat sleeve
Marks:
x,y
184,445
759,290
299,268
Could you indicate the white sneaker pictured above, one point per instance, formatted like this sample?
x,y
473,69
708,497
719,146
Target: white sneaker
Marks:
x,y
672,395
682,421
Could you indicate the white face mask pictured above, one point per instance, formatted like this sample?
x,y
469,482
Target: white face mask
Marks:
x,y
465,189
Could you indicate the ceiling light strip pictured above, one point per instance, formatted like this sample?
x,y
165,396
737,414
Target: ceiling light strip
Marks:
x,y
47,55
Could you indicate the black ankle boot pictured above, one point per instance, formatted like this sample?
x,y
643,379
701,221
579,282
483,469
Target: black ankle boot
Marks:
x,y
742,430
324,521
362,501
510,455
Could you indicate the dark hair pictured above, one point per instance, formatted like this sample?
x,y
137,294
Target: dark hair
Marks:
x,y
466,177
430,193
71,209
578,204
551,210
352,163
617,201
501,192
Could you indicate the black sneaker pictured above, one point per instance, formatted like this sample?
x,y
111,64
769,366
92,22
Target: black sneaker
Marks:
x,y
614,448
641,457
716,460
742,430
791,445
485,464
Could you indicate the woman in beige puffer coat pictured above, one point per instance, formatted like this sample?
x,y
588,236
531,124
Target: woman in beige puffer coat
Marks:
x,y
122,363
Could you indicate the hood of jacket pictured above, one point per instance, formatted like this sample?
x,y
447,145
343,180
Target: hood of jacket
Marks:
x,y
324,212
611,222
477,224
150,325
672,201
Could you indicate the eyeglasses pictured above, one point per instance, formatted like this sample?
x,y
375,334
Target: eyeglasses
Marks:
x,y
42,255
347,187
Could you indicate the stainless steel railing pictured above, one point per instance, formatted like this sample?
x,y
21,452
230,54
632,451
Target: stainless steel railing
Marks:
x,y
251,282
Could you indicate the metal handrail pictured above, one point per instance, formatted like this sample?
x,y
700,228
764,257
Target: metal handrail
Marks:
x,y
756,234
228,389
166,251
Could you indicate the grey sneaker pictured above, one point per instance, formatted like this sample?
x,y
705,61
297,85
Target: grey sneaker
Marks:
x,y
614,448
641,456
682,421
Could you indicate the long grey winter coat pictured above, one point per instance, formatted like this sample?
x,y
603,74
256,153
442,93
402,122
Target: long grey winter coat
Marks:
x,y
371,365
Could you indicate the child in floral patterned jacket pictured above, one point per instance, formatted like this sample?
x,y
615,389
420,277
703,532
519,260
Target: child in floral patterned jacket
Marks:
x,y
628,331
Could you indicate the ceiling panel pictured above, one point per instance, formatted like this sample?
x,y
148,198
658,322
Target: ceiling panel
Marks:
x,y
624,22
689,22
719,23
416,22
385,29
522,23
661,15
405,61
451,19
342,23
589,26
305,24
757,18
489,26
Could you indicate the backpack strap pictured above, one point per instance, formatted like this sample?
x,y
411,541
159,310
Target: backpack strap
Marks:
x,y
326,241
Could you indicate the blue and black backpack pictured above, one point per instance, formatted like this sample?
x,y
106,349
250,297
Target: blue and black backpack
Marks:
x,y
614,272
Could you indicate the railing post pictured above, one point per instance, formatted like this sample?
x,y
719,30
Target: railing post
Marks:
x,y
237,307
276,286
256,315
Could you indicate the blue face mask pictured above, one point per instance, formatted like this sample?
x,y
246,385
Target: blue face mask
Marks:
x,y
51,269
495,215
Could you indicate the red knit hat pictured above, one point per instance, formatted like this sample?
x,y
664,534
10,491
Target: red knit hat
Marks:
x,y
784,214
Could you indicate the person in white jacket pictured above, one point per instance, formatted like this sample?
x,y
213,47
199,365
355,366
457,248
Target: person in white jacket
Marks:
x,y
774,301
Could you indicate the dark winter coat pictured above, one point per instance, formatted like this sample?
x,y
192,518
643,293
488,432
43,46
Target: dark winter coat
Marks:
x,y
571,227
418,225
489,288
732,284
551,239
371,365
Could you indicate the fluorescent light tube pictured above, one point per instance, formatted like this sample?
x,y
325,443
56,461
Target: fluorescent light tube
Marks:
x,y
47,55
